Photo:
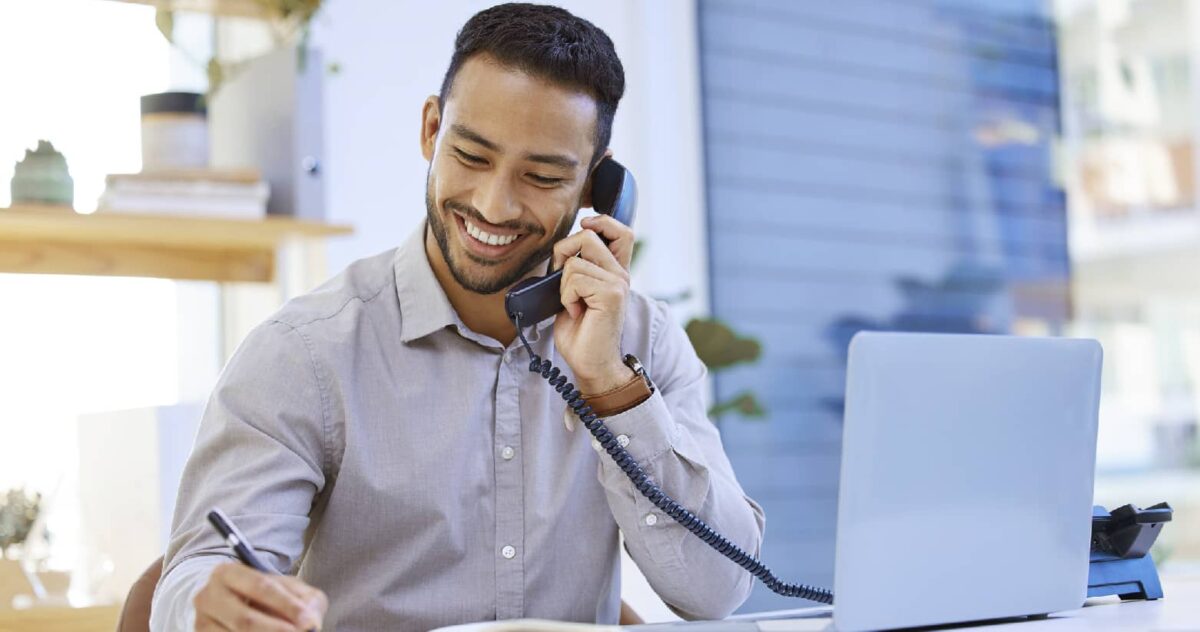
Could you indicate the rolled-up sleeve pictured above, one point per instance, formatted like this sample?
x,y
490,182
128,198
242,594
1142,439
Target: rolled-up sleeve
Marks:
x,y
260,455
672,438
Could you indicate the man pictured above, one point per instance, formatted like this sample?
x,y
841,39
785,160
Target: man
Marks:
x,y
383,438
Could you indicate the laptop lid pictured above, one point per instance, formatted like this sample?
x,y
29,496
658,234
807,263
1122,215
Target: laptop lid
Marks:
x,y
966,481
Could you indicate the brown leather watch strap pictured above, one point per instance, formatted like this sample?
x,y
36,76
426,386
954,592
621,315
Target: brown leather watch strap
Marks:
x,y
621,398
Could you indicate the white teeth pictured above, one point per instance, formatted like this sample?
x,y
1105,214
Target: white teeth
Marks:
x,y
488,238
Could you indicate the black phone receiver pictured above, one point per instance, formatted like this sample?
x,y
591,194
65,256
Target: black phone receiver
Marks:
x,y
614,193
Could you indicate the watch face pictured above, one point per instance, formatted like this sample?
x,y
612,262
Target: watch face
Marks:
x,y
632,362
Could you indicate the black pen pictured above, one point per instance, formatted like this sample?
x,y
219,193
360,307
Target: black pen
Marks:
x,y
238,542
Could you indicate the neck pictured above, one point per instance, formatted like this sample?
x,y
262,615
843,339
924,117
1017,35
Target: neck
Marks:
x,y
482,313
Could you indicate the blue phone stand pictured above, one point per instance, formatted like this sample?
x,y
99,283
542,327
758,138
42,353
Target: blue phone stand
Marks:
x,y
1120,560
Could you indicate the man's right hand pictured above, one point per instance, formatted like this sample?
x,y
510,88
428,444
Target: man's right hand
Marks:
x,y
237,597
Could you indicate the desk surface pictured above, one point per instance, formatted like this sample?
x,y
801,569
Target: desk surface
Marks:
x,y
1178,611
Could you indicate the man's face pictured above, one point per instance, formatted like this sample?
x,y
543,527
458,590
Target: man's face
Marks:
x,y
508,164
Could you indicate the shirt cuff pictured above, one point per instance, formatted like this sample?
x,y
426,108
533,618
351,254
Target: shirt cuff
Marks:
x,y
648,427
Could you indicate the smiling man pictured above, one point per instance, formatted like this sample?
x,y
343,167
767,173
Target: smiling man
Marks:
x,y
381,441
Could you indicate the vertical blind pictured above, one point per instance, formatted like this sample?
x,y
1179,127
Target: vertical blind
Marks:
x,y
871,164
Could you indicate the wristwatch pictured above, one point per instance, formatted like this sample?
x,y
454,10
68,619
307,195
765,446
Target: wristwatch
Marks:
x,y
638,389
632,362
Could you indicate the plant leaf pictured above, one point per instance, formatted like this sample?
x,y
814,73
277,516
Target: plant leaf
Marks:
x,y
164,19
744,403
216,75
717,344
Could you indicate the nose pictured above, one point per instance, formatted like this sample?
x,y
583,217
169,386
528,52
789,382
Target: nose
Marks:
x,y
496,199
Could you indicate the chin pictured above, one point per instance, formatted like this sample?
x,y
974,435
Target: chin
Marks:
x,y
486,276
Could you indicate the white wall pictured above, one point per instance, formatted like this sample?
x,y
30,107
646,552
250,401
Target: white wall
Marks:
x,y
393,55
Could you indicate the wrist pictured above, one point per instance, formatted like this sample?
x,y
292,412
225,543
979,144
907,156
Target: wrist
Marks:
x,y
627,395
610,378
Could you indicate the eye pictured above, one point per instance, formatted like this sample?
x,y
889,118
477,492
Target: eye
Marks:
x,y
469,158
545,181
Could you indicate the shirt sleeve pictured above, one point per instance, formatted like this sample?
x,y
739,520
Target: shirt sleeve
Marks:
x,y
672,438
260,456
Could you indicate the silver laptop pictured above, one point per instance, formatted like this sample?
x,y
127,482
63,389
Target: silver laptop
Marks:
x,y
966,483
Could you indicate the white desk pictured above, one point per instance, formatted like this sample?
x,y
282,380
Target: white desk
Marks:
x,y
1178,611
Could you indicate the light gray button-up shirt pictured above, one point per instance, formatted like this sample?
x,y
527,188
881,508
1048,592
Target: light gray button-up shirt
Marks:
x,y
420,475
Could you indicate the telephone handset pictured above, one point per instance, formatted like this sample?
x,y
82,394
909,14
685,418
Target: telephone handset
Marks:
x,y
614,192
533,300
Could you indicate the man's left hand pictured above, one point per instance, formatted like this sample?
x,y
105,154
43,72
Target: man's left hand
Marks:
x,y
595,287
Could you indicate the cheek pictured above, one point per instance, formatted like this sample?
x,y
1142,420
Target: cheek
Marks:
x,y
553,210
448,182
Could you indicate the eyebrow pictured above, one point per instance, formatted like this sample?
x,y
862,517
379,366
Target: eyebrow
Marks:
x,y
557,160
473,136
553,159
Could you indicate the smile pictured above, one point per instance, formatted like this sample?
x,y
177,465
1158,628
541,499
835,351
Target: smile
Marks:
x,y
486,244
488,238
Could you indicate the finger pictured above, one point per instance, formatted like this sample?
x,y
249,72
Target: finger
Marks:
x,y
579,265
314,597
232,612
580,291
205,623
588,245
568,247
298,587
267,591
605,283
575,293
619,236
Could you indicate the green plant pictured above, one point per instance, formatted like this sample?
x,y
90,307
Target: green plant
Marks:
x,y
719,347
288,21
18,511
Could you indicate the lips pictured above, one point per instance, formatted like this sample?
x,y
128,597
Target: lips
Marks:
x,y
491,244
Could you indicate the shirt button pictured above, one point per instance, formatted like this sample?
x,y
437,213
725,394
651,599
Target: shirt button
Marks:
x,y
508,552
651,520
622,440
508,453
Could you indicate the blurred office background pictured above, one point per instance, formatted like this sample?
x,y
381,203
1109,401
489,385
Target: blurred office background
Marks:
x,y
808,170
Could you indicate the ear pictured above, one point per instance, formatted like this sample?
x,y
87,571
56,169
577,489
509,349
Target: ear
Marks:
x,y
431,122
586,200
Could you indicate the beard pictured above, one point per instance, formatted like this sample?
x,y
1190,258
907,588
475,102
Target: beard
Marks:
x,y
488,276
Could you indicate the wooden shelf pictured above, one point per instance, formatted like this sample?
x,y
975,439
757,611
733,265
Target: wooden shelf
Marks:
x,y
60,619
49,240
229,8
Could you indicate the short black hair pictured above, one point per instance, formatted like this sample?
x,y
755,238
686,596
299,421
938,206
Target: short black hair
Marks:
x,y
550,43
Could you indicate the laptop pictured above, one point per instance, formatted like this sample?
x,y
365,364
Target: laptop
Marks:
x,y
966,482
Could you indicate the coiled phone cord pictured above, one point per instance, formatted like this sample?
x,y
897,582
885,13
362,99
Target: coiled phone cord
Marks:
x,y
648,488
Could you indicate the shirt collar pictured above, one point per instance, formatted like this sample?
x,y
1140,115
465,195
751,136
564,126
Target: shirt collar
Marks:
x,y
424,306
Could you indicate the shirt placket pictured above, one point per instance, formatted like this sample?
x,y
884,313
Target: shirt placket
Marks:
x,y
510,494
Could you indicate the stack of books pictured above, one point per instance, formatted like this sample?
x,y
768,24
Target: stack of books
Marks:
x,y
228,193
